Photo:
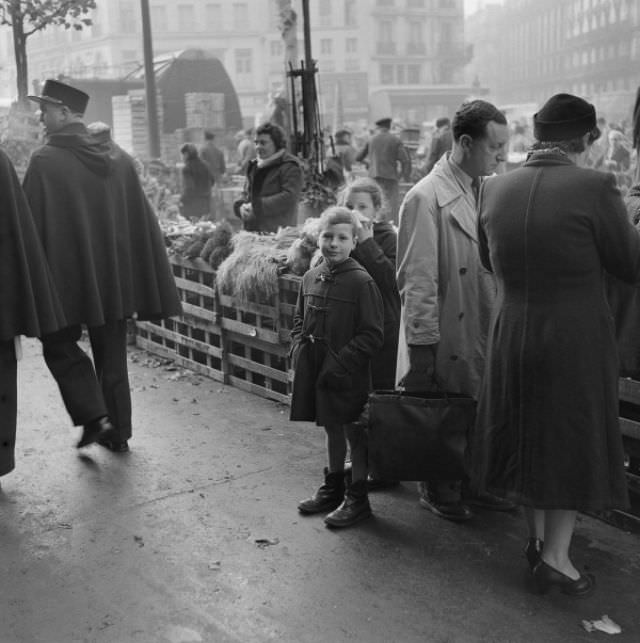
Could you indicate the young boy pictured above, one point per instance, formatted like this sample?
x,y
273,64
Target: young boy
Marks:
x,y
338,326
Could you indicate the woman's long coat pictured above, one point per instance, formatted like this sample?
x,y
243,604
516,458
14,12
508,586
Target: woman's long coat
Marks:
x,y
547,428
338,326
378,256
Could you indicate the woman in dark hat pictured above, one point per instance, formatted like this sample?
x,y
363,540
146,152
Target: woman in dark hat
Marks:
x,y
547,432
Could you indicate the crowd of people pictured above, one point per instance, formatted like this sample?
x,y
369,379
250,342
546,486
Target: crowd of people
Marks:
x,y
492,285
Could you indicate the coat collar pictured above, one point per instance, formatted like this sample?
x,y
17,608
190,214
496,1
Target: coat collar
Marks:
x,y
452,195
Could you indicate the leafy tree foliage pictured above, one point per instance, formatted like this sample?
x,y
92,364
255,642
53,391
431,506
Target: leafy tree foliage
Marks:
x,y
26,17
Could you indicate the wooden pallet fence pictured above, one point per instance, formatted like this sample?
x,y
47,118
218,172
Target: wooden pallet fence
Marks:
x,y
193,340
256,337
242,343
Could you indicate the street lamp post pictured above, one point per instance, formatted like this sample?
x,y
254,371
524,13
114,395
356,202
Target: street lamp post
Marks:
x,y
150,83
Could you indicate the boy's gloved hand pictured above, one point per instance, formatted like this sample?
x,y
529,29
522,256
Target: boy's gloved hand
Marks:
x,y
422,360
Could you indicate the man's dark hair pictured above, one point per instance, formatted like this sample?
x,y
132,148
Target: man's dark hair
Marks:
x,y
209,136
276,133
472,119
441,122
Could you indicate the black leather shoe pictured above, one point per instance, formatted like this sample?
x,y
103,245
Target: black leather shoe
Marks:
x,y
327,497
532,551
354,508
117,446
456,510
95,431
546,577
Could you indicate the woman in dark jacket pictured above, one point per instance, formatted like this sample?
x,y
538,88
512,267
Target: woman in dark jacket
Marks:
x,y
273,186
547,428
196,184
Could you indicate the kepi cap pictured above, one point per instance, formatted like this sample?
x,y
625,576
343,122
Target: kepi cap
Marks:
x,y
564,117
56,93
383,122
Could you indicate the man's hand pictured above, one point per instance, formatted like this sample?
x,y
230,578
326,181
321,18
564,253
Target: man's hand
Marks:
x,y
422,360
246,210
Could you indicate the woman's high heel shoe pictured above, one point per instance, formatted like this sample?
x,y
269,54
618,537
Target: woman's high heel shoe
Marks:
x,y
547,577
532,551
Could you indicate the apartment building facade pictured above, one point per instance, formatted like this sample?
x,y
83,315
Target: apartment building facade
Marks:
x,y
403,58
528,50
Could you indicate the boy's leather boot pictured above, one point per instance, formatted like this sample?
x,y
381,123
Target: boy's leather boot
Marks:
x,y
354,508
327,497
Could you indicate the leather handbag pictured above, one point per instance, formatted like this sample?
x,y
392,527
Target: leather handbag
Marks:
x,y
419,436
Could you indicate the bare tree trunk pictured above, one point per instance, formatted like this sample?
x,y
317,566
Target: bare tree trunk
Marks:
x,y
20,51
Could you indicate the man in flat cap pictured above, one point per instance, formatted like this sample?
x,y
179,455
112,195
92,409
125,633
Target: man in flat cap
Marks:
x,y
385,152
107,257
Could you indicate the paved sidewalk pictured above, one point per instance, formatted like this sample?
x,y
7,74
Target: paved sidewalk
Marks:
x,y
194,536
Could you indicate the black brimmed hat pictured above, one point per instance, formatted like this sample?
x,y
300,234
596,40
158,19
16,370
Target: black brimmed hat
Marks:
x,y
564,117
383,122
56,93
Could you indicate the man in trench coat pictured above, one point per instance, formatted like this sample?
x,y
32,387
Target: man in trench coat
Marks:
x,y
446,293
107,257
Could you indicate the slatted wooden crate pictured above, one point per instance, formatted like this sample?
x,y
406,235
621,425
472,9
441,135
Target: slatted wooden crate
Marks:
x,y
193,340
245,344
257,341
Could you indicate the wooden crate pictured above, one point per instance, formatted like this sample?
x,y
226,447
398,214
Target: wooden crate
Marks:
x,y
194,339
245,344
257,338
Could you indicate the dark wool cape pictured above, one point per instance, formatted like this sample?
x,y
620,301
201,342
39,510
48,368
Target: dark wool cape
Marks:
x,y
338,326
100,234
29,304
547,425
28,301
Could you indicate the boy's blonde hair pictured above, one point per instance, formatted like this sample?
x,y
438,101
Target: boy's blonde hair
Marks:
x,y
337,214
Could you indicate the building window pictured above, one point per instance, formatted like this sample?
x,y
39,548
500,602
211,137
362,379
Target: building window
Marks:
x,y
351,45
186,17
213,17
240,16
127,18
326,46
413,74
276,48
96,25
350,15
386,74
324,13
243,61
385,31
159,18
400,77
415,4
385,3
447,4
352,64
